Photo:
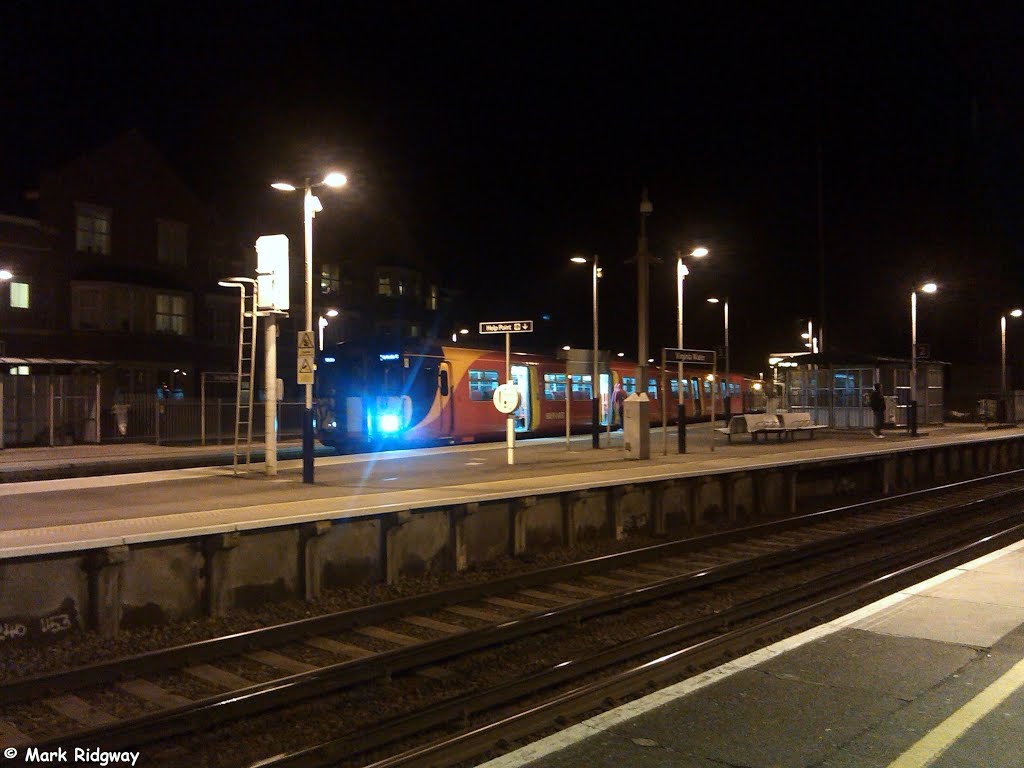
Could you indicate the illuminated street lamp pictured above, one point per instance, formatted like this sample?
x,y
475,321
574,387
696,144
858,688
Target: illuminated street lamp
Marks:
x,y
595,395
681,272
310,207
6,274
725,314
1002,351
926,288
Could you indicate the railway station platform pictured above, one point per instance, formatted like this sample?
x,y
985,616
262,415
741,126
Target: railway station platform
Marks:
x,y
178,544
930,676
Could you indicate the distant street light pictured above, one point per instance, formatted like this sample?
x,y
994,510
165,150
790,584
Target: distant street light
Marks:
x,y
681,272
310,207
595,395
6,274
926,288
725,314
1004,390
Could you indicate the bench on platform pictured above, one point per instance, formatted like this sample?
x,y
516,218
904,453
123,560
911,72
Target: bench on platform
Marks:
x,y
791,423
752,424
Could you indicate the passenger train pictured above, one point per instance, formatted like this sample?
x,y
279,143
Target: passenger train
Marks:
x,y
372,396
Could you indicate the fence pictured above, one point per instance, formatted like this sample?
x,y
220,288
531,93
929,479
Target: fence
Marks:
x,y
185,421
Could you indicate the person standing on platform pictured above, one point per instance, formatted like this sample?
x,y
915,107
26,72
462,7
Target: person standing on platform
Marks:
x,y
618,398
877,404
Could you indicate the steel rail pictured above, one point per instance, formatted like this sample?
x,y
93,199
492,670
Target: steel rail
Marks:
x,y
869,582
295,688
203,651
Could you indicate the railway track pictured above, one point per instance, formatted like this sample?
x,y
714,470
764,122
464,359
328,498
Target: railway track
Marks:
x,y
147,698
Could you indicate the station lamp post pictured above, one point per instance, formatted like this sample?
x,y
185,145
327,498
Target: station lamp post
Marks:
x,y
1004,391
727,412
595,394
912,418
310,207
681,272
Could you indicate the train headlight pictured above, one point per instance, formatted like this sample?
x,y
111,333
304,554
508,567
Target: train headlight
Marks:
x,y
389,423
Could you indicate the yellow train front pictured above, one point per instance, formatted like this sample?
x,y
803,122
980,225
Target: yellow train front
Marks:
x,y
382,396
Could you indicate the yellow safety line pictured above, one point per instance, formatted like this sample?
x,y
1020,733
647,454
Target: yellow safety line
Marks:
x,y
949,730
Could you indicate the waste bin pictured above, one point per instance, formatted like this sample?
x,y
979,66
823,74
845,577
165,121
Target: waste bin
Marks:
x,y
636,429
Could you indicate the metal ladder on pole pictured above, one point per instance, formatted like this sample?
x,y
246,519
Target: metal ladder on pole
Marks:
x,y
247,326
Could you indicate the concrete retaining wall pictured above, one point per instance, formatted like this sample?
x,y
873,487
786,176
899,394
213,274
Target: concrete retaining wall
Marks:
x,y
105,589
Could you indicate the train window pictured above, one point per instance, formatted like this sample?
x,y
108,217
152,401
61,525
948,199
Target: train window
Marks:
x,y
482,384
629,384
707,387
442,383
581,388
652,388
554,386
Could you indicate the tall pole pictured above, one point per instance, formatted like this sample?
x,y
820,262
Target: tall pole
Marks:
x,y
728,394
912,420
270,397
1002,359
642,278
307,414
681,405
595,392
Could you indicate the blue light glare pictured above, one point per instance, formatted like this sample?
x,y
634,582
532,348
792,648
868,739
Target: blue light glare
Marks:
x,y
328,359
389,423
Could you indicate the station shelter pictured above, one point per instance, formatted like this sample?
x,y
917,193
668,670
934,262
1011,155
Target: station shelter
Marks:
x,y
835,388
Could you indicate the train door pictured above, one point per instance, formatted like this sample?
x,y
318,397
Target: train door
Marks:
x,y
446,399
605,387
521,416
698,399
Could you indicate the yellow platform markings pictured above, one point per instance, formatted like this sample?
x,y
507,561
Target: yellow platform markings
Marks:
x,y
928,748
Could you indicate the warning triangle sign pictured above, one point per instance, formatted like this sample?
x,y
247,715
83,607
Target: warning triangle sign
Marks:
x,y
305,342
305,365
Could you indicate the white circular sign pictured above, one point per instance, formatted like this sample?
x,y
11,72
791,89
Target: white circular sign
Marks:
x,y
506,398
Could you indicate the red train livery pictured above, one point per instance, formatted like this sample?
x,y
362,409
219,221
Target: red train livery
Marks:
x,y
441,394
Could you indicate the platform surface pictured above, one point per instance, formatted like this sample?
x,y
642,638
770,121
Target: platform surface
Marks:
x,y
930,676
75,513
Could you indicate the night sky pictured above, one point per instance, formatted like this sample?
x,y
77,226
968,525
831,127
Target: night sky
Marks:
x,y
502,138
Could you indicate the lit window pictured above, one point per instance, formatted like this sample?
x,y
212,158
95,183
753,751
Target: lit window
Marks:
x,y
92,229
554,386
414,331
330,278
19,295
19,370
170,314
629,384
172,243
581,389
482,384
384,285
432,298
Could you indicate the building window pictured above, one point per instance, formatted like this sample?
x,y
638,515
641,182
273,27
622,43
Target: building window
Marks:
x,y
384,285
482,384
19,370
172,243
414,331
330,278
432,297
92,229
88,309
170,314
19,295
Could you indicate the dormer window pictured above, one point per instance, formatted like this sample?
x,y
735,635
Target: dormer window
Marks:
x,y
92,229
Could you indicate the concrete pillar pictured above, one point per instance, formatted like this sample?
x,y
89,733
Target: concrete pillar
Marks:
x,y
571,502
519,508
310,537
392,556
104,567
217,550
459,515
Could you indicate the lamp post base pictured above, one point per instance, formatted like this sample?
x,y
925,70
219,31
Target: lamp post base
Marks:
x,y
307,445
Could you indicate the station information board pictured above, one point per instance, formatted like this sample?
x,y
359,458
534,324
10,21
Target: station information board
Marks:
x,y
699,356
507,326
